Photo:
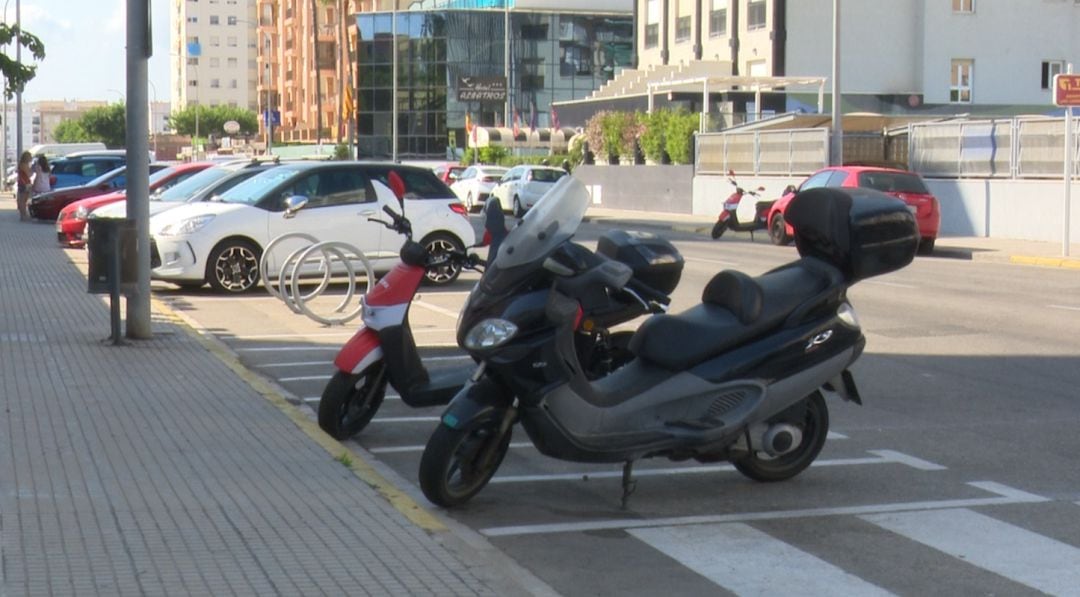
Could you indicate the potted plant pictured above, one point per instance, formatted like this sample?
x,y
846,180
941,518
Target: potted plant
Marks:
x,y
594,136
653,138
679,136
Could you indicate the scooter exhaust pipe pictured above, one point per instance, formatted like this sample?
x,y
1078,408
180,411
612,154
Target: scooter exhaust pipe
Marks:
x,y
780,439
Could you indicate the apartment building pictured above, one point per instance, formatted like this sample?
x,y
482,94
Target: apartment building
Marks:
x,y
965,55
213,53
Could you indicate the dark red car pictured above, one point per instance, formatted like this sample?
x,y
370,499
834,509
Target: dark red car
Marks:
x,y
902,184
448,173
47,206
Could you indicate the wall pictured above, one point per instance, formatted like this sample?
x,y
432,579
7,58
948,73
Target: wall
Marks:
x,y
1022,209
644,188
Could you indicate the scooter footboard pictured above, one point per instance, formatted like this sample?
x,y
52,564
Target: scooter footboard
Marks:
x,y
363,349
476,401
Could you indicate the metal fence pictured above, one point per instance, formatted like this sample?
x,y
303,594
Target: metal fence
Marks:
x,y
788,152
994,148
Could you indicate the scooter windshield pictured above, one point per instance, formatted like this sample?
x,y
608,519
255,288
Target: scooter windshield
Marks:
x,y
550,222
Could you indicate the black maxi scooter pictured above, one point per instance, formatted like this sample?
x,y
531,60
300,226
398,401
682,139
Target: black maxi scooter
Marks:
x,y
739,377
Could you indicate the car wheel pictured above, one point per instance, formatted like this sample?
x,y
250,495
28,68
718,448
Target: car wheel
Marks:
x,y
926,246
778,231
233,266
518,211
441,245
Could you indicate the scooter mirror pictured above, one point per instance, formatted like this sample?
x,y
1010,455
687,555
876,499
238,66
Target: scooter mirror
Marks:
x,y
397,185
789,189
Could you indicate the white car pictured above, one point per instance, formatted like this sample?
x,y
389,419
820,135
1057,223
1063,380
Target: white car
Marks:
x,y
220,242
522,186
475,184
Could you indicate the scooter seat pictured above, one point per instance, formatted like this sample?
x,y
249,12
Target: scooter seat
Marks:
x,y
735,308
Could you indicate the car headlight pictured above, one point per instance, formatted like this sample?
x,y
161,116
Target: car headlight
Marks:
x,y
490,333
186,226
81,212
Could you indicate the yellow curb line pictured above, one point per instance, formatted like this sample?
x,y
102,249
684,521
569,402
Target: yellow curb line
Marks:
x,y
1046,261
360,467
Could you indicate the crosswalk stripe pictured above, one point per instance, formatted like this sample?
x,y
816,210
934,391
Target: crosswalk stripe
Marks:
x,y
1020,555
747,561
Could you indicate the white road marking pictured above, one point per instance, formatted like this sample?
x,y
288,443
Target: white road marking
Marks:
x,y
711,261
305,378
331,362
287,348
1065,307
890,284
916,463
1020,555
348,334
1005,495
683,470
512,445
378,420
746,561
435,308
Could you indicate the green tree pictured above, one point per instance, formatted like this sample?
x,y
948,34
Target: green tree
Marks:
x,y
679,136
70,131
107,124
212,119
16,75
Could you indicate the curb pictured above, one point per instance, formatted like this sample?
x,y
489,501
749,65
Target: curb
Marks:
x,y
1059,262
359,466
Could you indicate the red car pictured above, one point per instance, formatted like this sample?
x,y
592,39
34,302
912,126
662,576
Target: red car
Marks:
x,y
46,206
71,223
902,184
449,173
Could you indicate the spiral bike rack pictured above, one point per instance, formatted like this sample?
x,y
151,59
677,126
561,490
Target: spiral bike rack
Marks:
x,y
320,256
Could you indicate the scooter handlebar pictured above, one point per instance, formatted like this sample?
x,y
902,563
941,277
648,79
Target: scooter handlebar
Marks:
x,y
656,301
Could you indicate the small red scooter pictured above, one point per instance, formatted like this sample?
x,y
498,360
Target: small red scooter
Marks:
x,y
729,218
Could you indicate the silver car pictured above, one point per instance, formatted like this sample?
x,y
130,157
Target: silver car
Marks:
x,y
523,186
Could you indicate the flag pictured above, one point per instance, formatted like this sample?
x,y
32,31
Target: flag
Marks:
x,y
517,122
554,118
350,105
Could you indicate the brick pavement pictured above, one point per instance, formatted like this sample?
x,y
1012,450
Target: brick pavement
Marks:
x,y
154,469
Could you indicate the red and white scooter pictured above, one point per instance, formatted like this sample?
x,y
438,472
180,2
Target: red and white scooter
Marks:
x,y
729,217
383,349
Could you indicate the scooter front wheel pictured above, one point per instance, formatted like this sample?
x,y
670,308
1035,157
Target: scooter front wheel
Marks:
x,y
458,463
814,423
718,229
350,401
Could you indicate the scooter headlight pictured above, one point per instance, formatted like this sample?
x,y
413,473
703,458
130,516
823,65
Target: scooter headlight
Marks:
x,y
846,315
490,333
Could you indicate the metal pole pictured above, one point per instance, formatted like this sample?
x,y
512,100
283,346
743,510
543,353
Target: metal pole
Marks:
x,y
318,82
393,100
1068,174
138,163
506,60
18,96
837,144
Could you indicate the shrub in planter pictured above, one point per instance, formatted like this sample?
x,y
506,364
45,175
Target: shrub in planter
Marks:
x,y
611,129
679,140
632,128
653,138
594,134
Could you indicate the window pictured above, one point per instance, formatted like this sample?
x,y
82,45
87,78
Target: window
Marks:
x,y
232,84
718,18
232,20
231,41
817,180
1049,69
231,62
755,18
215,83
652,24
215,41
536,32
682,29
193,61
215,62
836,179
961,81
214,20
193,83
965,6
332,187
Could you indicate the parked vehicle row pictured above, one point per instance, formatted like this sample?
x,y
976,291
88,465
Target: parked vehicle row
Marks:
x,y
517,188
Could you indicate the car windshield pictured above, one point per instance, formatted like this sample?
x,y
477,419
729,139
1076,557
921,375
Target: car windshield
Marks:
x,y
255,188
104,178
547,175
550,222
181,191
893,182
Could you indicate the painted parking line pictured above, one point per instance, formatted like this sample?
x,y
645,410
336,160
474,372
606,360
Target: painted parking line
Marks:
x,y
711,261
1065,307
1003,495
1020,555
889,284
745,561
312,363
341,334
682,470
398,449
436,308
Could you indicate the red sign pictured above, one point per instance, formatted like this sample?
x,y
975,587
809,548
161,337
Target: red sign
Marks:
x,y
1067,90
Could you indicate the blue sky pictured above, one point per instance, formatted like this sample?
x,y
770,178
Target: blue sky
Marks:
x,y
85,42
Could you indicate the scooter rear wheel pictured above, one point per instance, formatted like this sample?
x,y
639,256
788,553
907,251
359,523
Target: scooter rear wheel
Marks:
x,y
350,401
815,427
453,468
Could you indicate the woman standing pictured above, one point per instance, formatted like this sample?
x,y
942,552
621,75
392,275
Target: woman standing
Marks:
x,y
25,180
41,172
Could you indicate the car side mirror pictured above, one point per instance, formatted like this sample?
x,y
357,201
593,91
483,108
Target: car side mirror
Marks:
x,y
789,189
294,204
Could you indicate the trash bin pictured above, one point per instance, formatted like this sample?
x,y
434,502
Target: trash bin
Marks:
x,y
110,243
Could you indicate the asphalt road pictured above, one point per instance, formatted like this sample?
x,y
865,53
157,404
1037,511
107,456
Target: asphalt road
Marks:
x,y
957,476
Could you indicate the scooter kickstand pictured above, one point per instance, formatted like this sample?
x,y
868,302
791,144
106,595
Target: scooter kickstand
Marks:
x,y
628,483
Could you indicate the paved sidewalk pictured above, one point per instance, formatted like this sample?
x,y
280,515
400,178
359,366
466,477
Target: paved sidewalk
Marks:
x,y
1020,252
159,468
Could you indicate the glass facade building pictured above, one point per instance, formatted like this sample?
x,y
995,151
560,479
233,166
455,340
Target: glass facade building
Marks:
x,y
554,57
